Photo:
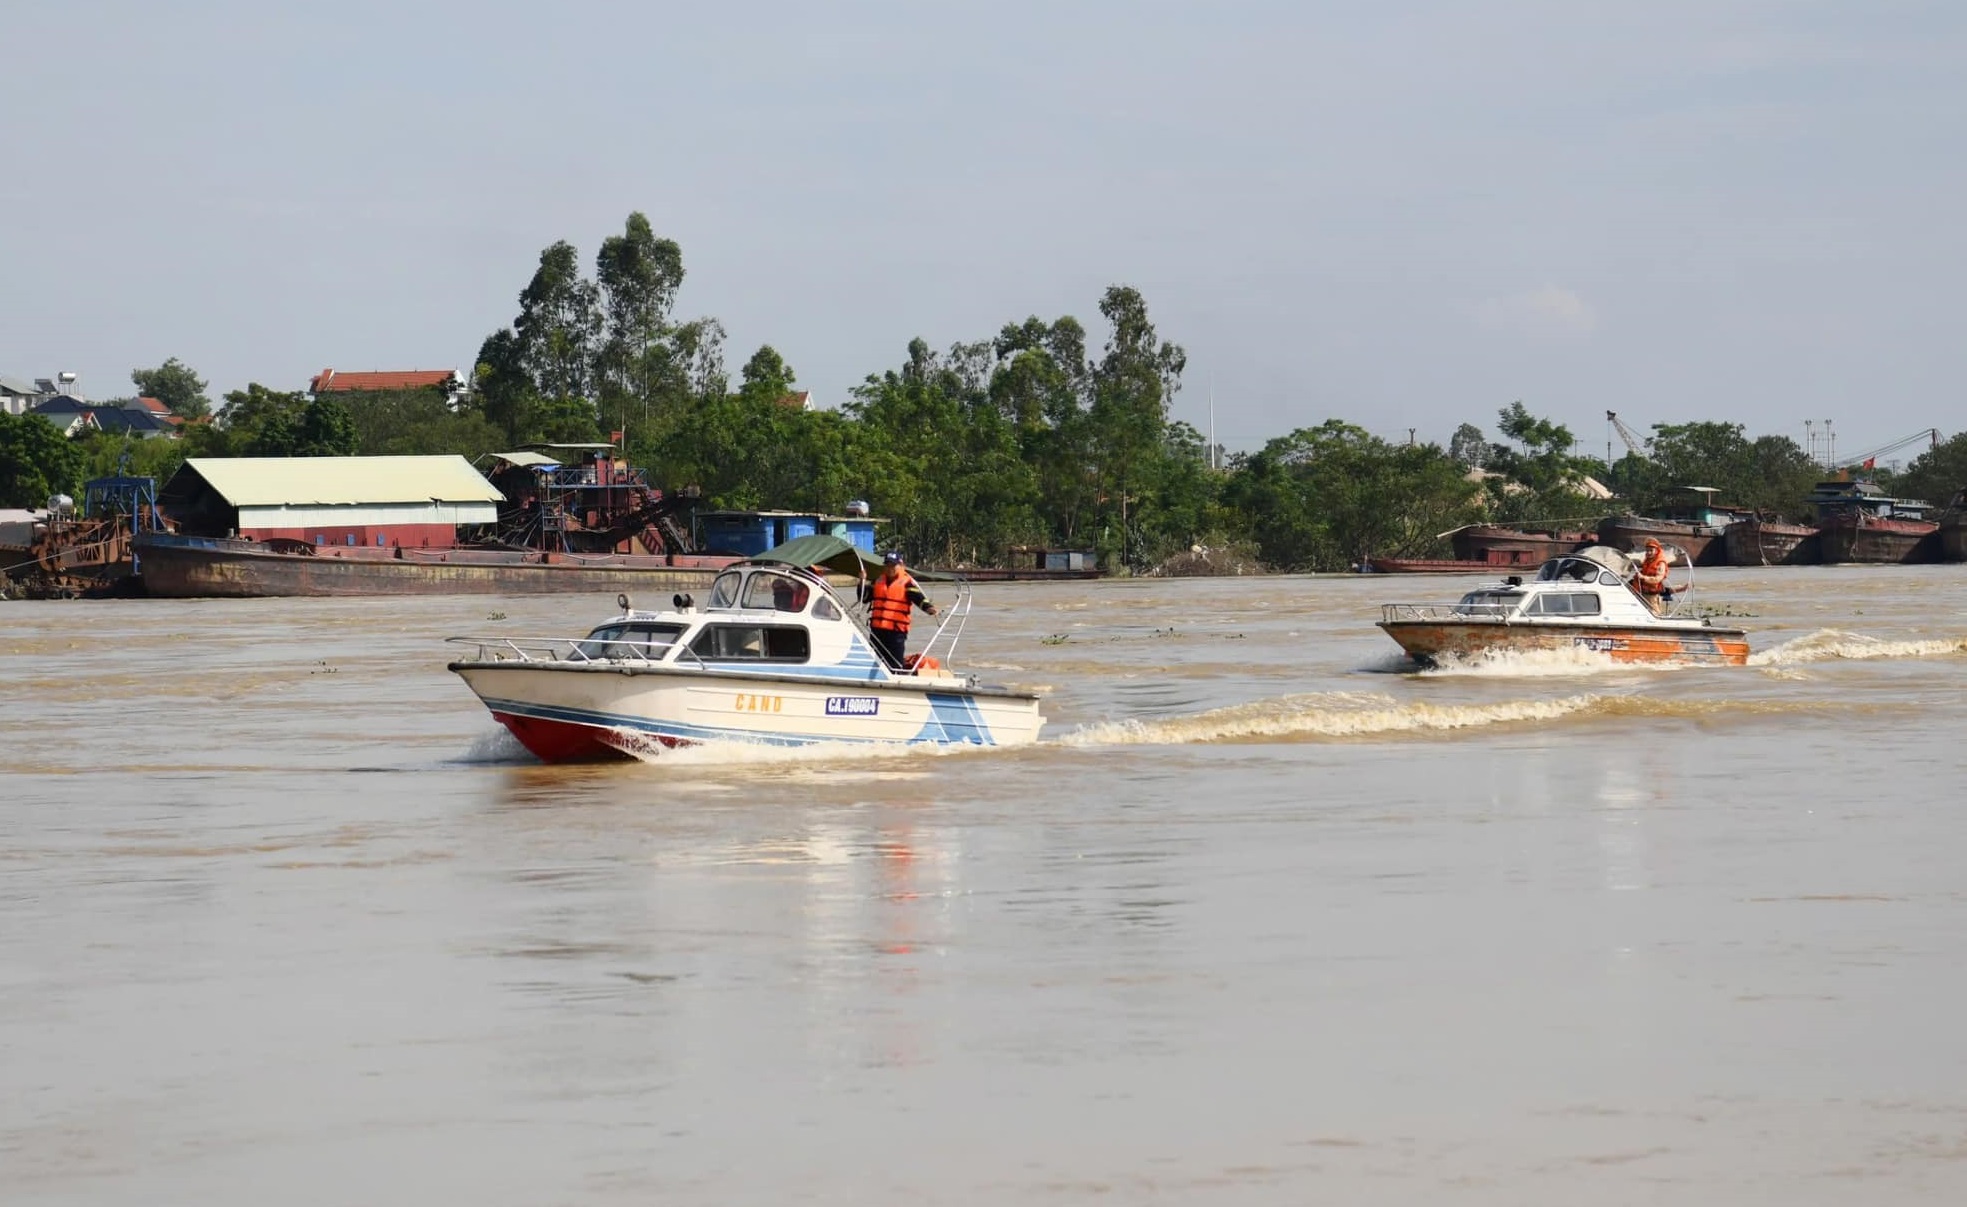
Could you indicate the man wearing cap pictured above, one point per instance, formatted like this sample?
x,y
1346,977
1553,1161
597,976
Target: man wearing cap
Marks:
x,y
889,598
1651,577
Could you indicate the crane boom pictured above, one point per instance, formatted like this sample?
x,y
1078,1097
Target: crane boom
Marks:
x,y
1870,456
1632,442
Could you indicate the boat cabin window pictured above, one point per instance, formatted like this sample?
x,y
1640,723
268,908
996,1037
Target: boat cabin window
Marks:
x,y
1566,603
752,643
824,609
776,593
650,642
1489,601
724,591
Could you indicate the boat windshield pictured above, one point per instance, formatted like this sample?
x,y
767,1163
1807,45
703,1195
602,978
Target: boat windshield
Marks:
x,y
643,641
768,591
1488,603
724,591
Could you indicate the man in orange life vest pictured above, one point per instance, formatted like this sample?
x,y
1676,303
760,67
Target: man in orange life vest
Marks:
x,y
889,598
1651,578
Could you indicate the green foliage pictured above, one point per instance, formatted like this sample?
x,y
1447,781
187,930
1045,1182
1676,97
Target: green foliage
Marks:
x,y
36,461
1328,497
1770,474
410,423
1937,474
559,325
107,453
1538,479
325,430
175,385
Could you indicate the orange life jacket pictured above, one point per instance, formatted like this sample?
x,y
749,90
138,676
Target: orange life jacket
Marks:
x,y
1652,572
888,608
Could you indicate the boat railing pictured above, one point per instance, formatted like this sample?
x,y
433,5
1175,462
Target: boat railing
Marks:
x,y
563,649
1459,612
954,617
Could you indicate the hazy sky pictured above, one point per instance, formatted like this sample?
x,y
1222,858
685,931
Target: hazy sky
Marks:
x,y
1401,214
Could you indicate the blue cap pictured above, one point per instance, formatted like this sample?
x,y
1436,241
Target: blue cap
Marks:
x,y
893,558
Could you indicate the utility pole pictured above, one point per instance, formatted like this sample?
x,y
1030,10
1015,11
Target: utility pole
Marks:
x,y
1212,421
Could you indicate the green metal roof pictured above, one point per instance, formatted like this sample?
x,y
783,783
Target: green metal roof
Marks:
x,y
338,481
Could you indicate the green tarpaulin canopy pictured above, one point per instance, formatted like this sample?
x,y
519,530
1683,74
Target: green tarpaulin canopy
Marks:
x,y
835,554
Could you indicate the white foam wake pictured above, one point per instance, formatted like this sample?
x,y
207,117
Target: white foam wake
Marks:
x,y
1338,715
743,755
1826,645
498,746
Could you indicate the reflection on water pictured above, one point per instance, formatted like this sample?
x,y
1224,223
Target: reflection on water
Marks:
x,y
1258,923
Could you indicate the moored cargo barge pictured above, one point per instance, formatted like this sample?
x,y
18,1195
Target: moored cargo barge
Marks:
x,y
178,566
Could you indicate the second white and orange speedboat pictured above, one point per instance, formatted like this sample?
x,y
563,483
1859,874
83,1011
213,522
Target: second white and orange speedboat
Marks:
x,y
1584,600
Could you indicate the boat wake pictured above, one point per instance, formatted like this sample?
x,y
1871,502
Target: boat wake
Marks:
x,y
738,754
1341,716
1827,645
1335,715
498,746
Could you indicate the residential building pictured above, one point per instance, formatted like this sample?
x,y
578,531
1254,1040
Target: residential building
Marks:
x,y
450,382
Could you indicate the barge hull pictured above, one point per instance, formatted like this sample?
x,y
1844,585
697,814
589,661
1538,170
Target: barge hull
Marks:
x,y
1764,543
1879,542
199,568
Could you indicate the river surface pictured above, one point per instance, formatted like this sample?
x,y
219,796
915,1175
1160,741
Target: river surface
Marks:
x,y
285,917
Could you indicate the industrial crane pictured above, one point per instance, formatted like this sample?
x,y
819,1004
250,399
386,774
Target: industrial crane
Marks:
x,y
1869,458
1626,434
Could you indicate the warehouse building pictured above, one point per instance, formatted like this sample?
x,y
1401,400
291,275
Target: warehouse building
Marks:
x,y
375,501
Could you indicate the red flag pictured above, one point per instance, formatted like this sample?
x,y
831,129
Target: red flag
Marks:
x,y
1871,463
614,437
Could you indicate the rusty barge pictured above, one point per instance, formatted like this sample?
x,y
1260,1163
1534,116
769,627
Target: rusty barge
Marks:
x,y
1858,522
183,567
548,518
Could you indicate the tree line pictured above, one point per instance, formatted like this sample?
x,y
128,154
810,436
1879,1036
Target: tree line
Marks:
x,y
1035,436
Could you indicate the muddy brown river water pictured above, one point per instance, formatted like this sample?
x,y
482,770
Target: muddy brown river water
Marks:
x,y
284,917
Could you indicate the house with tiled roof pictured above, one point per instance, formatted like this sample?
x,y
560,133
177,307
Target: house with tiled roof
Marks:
x,y
449,382
70,415
798,400
73,417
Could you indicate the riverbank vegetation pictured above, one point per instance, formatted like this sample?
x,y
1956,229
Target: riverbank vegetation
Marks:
x,y
1044,433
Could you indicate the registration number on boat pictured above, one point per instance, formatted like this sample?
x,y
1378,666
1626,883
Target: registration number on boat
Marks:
x,y
852,706
747,702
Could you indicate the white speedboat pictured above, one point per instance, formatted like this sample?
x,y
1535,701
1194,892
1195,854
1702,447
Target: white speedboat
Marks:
x,y
1582,600
775,655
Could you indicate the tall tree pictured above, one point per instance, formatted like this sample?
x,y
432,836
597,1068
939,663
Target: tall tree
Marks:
x,y
1468,446
639,275
36,461
175,385
766,377
559,325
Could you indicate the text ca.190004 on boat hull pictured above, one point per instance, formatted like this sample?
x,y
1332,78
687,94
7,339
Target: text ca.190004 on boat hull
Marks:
x,y
774,657
1583,601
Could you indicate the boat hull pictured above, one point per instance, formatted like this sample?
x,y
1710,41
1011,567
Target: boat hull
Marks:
x,y
566,712
1628,533
1864,539
1429,642
1953,539
1768,543
182,567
